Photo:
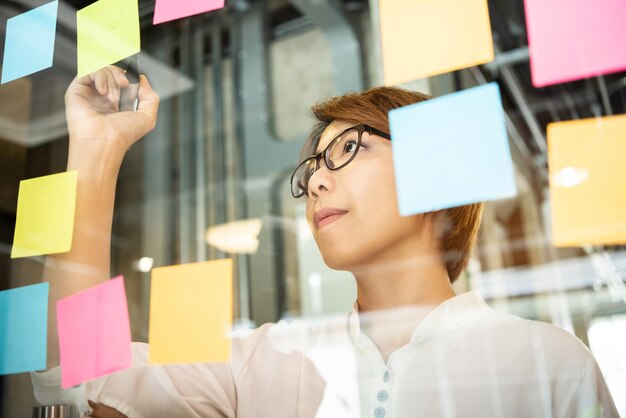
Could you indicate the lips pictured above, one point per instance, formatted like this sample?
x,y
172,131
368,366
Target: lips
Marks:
x,y
326,216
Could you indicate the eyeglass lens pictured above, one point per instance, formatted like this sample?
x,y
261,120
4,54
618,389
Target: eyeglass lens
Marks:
x,y
338,153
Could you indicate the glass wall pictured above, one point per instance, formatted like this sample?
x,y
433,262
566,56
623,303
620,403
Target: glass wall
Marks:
x,y
212,180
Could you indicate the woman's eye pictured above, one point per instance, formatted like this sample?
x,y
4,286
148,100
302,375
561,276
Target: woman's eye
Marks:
x,y
350,146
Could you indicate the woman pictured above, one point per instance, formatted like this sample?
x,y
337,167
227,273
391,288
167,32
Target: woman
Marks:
x,y
409,348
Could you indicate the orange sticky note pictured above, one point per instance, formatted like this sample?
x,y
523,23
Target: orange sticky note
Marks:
x,y
587,177
191,313
422,38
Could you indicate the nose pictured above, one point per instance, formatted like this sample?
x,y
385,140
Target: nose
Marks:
x,y
320,181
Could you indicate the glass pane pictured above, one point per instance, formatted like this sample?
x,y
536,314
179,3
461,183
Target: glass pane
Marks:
x,y
311,302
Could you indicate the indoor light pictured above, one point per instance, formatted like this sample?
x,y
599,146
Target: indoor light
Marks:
x,y
239,237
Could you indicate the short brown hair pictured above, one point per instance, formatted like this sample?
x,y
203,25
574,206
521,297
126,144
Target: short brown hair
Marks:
x,y
461,224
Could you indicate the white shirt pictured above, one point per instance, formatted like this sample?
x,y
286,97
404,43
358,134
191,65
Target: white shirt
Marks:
x,y
463,360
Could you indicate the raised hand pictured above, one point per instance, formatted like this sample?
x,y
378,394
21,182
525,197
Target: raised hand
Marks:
x,y
95,125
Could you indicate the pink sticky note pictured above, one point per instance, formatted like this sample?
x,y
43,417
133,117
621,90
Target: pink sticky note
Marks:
x,y
94,332
574,39
167,10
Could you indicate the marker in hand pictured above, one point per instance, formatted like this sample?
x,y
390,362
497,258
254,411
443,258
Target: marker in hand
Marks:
x,y
129,96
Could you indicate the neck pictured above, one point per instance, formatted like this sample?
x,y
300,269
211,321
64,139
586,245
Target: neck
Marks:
x,y
394,296
420,280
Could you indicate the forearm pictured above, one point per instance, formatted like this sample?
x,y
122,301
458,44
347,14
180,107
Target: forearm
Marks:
x,y
99,138
88,263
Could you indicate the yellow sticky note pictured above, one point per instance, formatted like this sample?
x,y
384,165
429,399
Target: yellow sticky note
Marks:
x,y
423,38
107,32
45,215
587,178
191,313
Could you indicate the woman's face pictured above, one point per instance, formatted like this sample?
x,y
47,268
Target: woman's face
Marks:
x,y
365,226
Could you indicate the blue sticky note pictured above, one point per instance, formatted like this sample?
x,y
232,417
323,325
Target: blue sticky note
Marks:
x,y
23,329
29,43
451,151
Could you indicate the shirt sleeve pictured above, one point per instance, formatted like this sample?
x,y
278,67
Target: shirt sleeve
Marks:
x,y
146,390
589,396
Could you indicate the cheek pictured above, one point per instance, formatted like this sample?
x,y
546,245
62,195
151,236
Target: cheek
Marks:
x,y
376,198
373,224
309,212
377,222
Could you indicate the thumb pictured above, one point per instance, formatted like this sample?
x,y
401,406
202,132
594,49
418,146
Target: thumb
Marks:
x,y
148,105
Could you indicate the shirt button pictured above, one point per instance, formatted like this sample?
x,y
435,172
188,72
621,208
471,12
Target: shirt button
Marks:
x,y
379,412
382,396
386,377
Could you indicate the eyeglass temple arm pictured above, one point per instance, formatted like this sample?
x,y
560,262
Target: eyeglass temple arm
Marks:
x,y
378,132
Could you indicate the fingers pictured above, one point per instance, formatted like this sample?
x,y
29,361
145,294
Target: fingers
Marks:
x,y
88,93
103,411
107,82
148,104
119,74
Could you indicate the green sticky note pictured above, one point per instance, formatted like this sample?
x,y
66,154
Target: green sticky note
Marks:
x,y
45,215
108,32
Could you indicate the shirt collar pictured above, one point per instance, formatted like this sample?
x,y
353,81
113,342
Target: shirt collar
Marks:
x,y
451,314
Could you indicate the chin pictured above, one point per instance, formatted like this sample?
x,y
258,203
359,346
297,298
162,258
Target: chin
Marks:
x,y
339,253
337,260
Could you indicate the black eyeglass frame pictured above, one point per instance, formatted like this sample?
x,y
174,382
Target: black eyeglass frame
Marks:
x,y
323,154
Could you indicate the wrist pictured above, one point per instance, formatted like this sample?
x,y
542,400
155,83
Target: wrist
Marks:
x,y
94,161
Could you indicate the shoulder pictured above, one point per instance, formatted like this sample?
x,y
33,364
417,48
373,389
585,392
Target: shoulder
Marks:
x,y
542,340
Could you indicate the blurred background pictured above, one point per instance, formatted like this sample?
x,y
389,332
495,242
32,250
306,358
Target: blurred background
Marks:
x,y
212,180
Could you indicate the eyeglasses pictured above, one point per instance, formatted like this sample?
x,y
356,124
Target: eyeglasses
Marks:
x,y
338,154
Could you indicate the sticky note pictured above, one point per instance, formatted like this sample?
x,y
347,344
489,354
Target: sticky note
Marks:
x,y
451,151
108,31
23,329
29,42
94,333
587,178
45,215
569,40
167,10
191,313
422,38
